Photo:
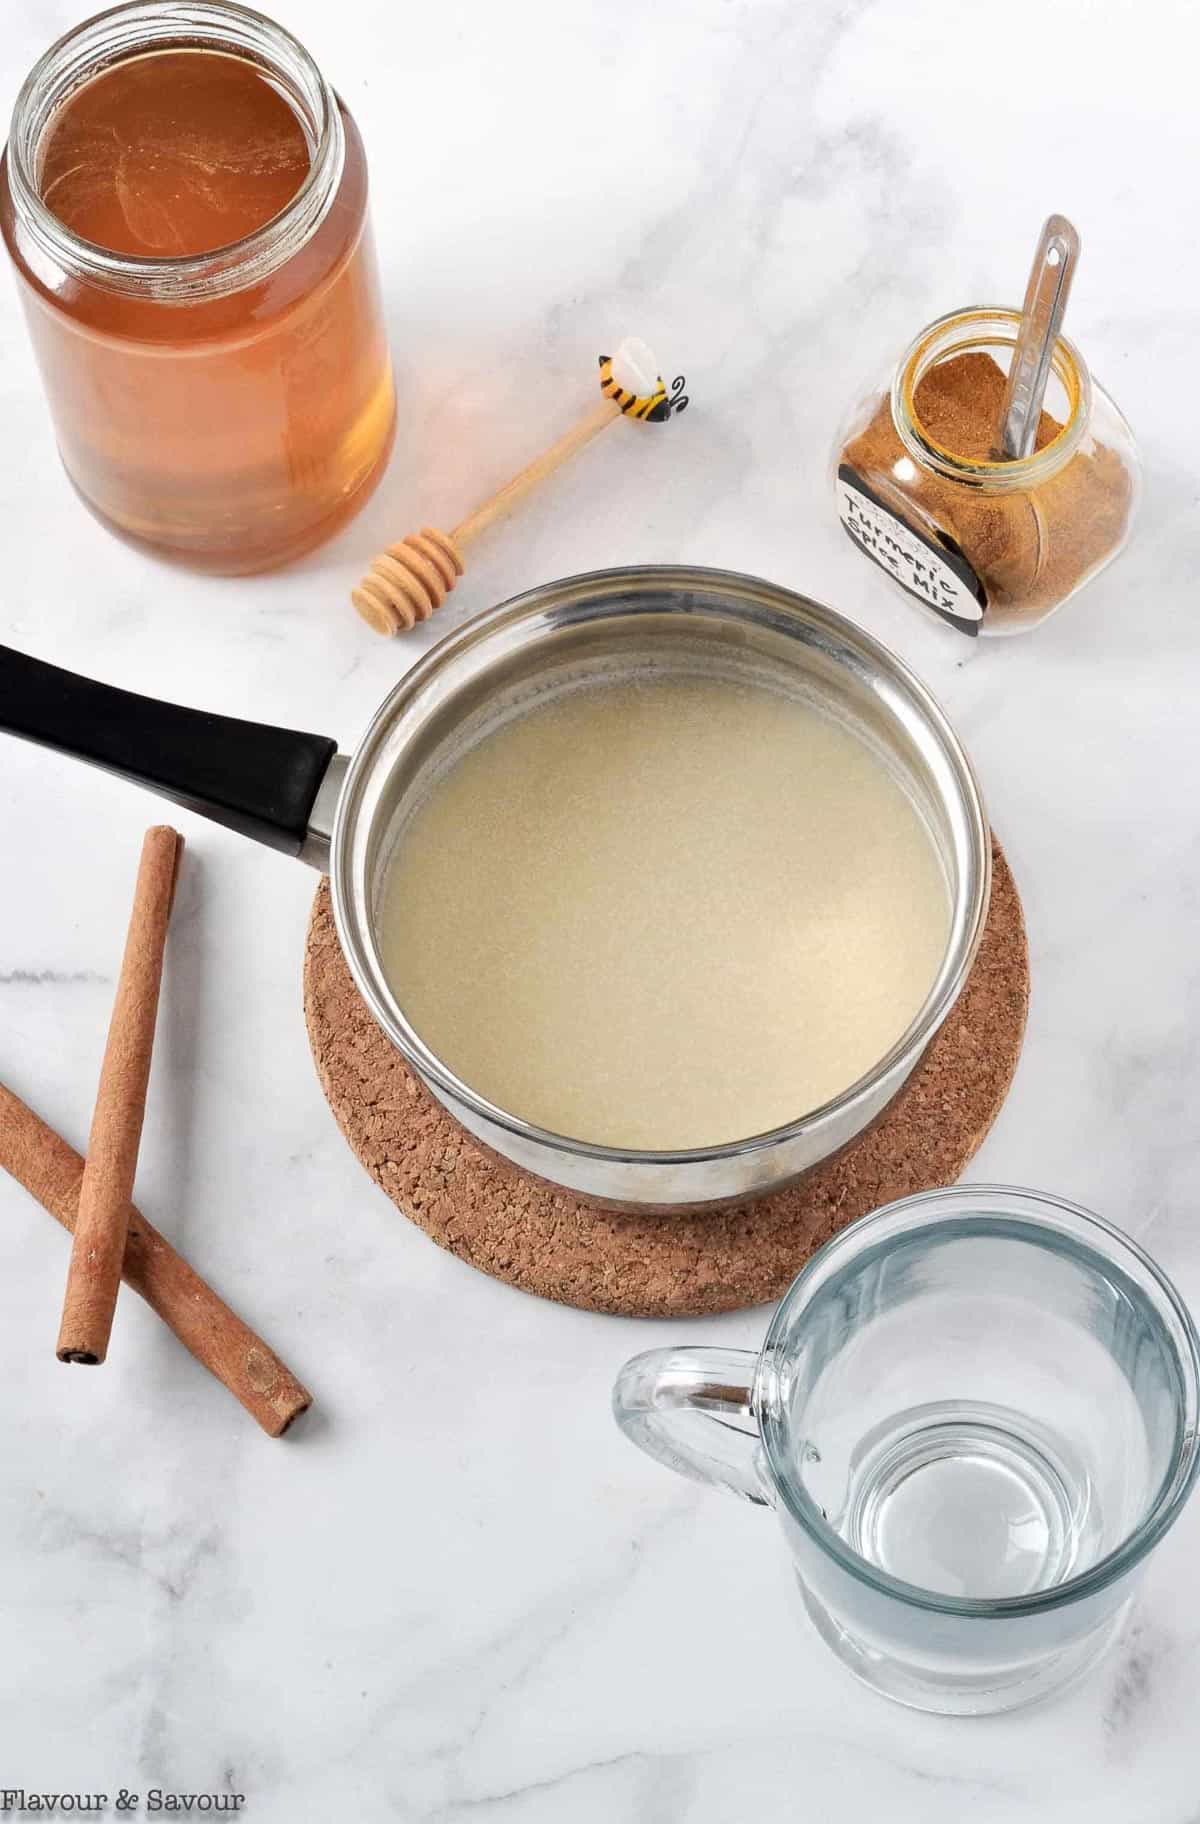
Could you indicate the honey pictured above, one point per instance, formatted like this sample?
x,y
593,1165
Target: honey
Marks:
x,y
177,152
189,225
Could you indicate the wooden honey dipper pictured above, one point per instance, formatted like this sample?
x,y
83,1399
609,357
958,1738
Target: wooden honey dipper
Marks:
x,y
410,579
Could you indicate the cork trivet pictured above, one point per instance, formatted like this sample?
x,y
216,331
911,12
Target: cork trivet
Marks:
x,y
547,1241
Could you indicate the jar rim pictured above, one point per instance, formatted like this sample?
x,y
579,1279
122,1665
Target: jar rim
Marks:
x,y
987,326
133,29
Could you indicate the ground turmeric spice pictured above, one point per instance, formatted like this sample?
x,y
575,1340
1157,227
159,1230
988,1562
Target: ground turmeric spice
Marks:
x,y
1020,551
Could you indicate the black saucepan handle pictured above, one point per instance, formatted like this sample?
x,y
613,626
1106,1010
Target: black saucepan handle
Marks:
x,y
259,780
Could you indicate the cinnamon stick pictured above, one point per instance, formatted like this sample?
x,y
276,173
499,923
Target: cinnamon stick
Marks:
x,y
94,1275
51,1171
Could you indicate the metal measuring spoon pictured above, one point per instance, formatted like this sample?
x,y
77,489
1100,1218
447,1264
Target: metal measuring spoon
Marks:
x,y
1041,319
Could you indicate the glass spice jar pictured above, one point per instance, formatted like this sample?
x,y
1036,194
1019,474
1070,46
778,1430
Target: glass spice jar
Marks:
x,y
215,358
990,546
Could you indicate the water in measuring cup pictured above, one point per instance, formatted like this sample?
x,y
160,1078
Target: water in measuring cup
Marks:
x,y
982,1418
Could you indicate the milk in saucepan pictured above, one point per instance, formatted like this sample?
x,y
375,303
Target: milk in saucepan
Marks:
x,y
665,915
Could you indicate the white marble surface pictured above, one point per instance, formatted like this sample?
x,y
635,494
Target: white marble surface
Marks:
x,y
458,1594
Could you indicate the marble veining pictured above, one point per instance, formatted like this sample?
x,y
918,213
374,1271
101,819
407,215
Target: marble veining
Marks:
x,y
40,978
457,1595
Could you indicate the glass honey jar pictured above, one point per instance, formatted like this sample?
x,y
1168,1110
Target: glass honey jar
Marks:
x,y
184,200
990,545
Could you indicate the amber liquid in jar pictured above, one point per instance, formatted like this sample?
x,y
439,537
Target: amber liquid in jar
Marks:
x,y
232,425
173,153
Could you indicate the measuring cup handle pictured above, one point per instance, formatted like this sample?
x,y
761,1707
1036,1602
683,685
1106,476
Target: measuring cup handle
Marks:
x,y
657,1397
260,780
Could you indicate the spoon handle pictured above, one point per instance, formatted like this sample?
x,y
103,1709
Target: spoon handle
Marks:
x,y
1041,319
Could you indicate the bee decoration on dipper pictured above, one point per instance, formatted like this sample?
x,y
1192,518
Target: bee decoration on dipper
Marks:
x,y
652,408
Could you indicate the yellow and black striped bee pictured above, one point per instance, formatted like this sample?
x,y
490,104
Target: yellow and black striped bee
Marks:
x,y
651,408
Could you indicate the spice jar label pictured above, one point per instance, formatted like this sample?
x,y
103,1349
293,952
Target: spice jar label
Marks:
x,y
936,572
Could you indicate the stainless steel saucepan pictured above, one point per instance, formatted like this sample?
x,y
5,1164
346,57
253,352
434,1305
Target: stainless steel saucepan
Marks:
x,y
345,814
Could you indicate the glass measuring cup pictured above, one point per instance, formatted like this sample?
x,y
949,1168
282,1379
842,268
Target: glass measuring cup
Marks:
x,y
975,1414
